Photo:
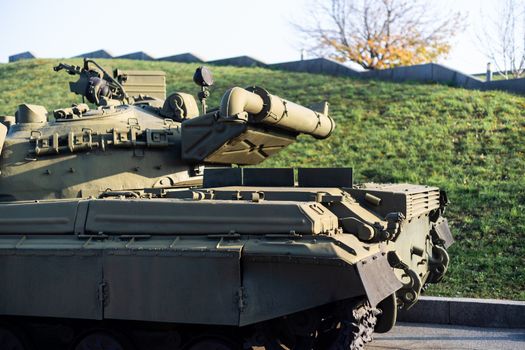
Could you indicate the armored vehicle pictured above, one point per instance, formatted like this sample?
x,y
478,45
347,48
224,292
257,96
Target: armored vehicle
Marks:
x,y
135,221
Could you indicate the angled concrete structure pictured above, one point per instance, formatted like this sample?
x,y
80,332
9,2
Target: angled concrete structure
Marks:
x,y
95,54
186,57
139,55
423,73
318,66
239,61
428,72
516,86
21,56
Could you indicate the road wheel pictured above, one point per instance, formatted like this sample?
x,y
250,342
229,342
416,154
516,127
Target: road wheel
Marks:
x,y
102,340
211,344
12,340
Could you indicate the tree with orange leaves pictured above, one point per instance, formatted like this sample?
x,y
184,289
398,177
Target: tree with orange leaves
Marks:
x,y
379,34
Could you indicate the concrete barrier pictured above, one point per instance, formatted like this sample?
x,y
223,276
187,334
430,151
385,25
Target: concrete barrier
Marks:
x,y
21,56
239,61
187,57
317,66
95,54
511,85
445,75
424,73
420,73
139,55
427,73
467,312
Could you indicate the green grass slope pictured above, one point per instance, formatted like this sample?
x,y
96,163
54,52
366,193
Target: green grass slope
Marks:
x,y
470,143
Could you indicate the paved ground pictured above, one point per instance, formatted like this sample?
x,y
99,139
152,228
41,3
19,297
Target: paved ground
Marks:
x,y
412,336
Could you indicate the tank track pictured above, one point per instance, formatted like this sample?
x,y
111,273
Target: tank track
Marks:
x,y
351,330
356,328
345,325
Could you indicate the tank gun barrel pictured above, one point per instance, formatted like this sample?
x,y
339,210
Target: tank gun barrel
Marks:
x,y
263,107
250,126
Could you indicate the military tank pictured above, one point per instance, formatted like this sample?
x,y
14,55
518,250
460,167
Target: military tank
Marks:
x,y
135,221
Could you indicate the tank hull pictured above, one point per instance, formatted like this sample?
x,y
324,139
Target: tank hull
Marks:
x,y
230,259
175,279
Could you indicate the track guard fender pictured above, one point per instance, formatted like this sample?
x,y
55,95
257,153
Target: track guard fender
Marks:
x,y
378,277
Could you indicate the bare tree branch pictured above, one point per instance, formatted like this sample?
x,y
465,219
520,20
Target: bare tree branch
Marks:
x,y
505,46
380,33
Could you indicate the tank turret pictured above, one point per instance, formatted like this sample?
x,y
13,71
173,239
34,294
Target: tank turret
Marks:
x,y
141,140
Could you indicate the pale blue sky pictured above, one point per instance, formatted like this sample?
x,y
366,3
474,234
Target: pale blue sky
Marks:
x,y
210,29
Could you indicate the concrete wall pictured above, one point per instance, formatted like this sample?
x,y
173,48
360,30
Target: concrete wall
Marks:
x,y
140,55
427,73
95,54
239,61
187,57
317,66
21,56
511,85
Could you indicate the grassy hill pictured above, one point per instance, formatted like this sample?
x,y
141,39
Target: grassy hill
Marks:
x,y
470,143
